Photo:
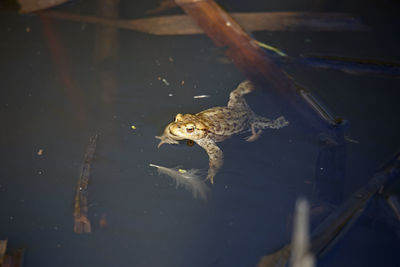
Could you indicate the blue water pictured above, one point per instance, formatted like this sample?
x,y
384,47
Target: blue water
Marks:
x,y
149,221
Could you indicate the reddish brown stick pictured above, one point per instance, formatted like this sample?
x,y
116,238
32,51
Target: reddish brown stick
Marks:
x,y
257,21
3,249
81,220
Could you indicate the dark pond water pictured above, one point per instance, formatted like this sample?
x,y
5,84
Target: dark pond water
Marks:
x,y
57,90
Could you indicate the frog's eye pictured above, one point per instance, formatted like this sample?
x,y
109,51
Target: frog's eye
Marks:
x,y
190,128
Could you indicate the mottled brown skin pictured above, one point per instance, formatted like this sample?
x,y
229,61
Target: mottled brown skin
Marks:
x,y
217,124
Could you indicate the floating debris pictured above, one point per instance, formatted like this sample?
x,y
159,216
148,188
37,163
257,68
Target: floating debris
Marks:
x,y
350,140
133,127
40,152
201,96
271,48
189,179
163,80
103,221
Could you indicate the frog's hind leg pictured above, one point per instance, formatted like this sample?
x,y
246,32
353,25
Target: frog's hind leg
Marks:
x,y
254,134
262,123
236,99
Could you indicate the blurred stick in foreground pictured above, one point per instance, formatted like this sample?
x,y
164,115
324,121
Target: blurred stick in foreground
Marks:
x,y
301,255
258,21
81,220
341,219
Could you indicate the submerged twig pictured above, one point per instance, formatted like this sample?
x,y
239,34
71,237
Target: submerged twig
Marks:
x,y
354,66
189,179
339,220
258,21
82,223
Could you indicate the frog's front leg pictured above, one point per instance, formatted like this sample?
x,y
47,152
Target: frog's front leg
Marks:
x,y
216,157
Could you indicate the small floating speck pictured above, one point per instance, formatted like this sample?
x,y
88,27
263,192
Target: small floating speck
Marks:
x,y
103,221
165,81
170,94
133,127
182,171
201,96
40,152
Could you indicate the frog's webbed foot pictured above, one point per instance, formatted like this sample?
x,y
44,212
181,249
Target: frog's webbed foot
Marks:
x,y
254,134
279,123
210,176
262,123
216,157
166,140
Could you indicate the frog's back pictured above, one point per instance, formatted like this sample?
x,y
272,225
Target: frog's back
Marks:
x,y
225,121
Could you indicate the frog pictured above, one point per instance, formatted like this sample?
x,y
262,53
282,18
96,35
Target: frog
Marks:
x,y
217,124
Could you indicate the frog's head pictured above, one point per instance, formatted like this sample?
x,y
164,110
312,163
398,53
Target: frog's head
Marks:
x,y
184,127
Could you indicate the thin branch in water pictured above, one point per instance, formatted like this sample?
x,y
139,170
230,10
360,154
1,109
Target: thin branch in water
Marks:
x,y
81,221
